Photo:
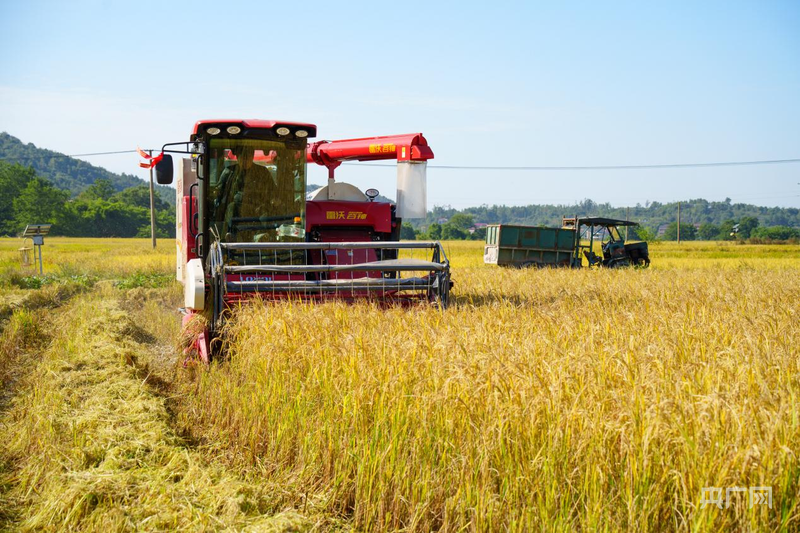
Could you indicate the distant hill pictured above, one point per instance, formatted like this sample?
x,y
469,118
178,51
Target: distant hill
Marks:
x,y
68,173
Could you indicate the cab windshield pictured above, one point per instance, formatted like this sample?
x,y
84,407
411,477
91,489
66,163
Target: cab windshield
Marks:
x,y
256,190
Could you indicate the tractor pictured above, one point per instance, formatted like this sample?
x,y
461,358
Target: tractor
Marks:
x,y
247,229
616,252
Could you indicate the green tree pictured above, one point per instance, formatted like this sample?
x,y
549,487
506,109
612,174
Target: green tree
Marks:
x,y
726,231
643,233
111,219
461,221
776,233
39,203
479,234
101,189
746,226
165,224
139,196
451,232
688,232
435,231
13,180
407,232
708,231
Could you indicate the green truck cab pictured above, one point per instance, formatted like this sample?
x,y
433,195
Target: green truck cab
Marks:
x,y
567,246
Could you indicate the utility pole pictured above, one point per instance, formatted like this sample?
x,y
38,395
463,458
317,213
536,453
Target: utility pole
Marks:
x,y
626,220
152,207
679,222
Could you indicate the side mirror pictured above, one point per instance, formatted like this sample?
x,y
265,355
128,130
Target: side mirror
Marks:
x,y
164,170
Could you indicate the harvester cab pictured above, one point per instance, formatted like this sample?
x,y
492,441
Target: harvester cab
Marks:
x,y
245,227
615,251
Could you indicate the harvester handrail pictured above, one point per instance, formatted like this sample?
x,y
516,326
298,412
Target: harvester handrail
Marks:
x,y
329,245
404,265
433,285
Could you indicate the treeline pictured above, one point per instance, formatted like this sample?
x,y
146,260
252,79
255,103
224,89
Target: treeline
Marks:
x,y
652,214
98,211
458,227
700,219
746,228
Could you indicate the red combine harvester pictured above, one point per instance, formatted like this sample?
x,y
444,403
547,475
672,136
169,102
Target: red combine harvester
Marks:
x,y
246,227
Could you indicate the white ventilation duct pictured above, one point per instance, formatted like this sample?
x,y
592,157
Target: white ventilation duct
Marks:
x,y
412,189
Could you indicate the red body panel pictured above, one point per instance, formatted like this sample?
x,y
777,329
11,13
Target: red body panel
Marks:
x,y
336,221
346,257
188,223
264,277
339,221
376,216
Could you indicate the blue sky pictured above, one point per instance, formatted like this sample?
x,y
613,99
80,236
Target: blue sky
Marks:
x,y
503,84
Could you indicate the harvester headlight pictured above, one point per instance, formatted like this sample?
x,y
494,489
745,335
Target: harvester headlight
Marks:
x,y
213,131
282,130
233,130
301,133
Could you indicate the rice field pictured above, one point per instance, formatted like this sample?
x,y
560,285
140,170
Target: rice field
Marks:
x,y
542,400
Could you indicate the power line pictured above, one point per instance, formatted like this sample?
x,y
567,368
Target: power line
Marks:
x,y
23,158
535,168
736,197
609,167
104,153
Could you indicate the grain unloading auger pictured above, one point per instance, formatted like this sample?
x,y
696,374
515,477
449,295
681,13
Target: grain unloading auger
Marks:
x,y
247,229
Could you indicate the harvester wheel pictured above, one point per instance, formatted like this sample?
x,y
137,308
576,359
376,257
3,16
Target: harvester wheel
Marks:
x,y
641,262
440,295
